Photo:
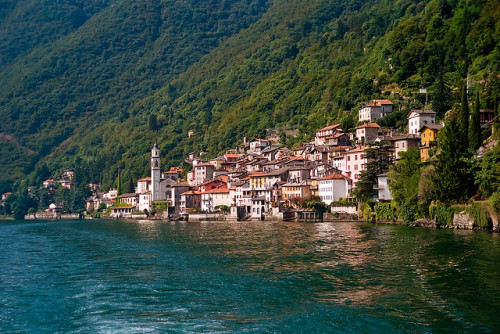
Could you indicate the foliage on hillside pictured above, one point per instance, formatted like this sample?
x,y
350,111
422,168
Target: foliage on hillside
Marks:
x,y
234,68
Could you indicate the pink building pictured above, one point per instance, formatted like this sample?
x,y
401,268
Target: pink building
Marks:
x,y
355,163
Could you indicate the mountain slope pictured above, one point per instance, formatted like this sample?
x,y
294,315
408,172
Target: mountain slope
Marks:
x,y
292,63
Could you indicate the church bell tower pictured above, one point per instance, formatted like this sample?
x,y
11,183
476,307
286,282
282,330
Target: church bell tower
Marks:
x,y
155,174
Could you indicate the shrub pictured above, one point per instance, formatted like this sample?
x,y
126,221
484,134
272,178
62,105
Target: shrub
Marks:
x,y
385,211
444,215
495,201
481,215
367,211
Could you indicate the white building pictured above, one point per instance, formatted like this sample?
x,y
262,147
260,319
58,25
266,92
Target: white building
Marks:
x,y
384,194
327,131
418,118
259,145
215,197
333,187
375,110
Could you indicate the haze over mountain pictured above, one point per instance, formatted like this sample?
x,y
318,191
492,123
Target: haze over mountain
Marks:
x,y
82,79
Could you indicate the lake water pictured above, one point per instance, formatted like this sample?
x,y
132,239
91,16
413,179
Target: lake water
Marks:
x,y
246,277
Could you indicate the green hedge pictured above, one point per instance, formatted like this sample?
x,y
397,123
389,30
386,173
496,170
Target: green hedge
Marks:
x,y
495,201
443,214
343,203
385,211
481,215
160,205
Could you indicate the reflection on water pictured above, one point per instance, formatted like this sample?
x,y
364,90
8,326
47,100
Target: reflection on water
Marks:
x,y
149,276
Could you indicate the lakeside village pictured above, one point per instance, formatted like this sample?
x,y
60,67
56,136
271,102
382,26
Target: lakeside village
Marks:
x,y
259,180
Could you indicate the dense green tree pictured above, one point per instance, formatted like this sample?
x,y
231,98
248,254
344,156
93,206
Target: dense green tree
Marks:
x,y
452,179
119,186
463,120
22,204
130,186
404,177
441,96
475,127
153,123
378,156
488,176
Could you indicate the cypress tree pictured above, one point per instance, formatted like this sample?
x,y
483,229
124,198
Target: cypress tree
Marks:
x,y
441,96
475,127
452,178
464,119
153,122
119,186
130,187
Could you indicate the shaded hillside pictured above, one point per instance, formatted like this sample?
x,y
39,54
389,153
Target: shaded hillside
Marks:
x,y
119,55
296,64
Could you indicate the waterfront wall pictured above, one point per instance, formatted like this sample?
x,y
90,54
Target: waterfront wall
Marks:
x,y
351,209
51,216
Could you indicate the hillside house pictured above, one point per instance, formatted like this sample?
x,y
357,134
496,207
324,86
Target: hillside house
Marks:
x,y
374,110
367,132
401,143
258,145
203,172
418,118
355,162
327,131
428,138
384,193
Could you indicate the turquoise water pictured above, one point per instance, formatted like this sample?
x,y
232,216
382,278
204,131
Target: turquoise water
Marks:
x,y
262,277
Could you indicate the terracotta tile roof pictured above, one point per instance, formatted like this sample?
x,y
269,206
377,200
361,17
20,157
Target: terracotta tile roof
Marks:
x,y
191,192
356,150
258,174
217,191
382,102
181,184
329,127
368,125
334,176
144,179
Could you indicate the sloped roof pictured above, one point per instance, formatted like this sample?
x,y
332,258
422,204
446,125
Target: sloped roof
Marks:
x,y
368,125
436,127
420,112
329,127
216,191
382,102
335,176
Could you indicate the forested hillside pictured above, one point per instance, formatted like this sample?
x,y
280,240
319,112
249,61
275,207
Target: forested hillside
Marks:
x,y
101,89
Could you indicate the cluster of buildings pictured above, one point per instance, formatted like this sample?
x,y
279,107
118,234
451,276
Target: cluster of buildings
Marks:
x,y
258,179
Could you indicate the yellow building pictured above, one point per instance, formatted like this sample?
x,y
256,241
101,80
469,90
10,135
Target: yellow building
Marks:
x,y
428,136
295,190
